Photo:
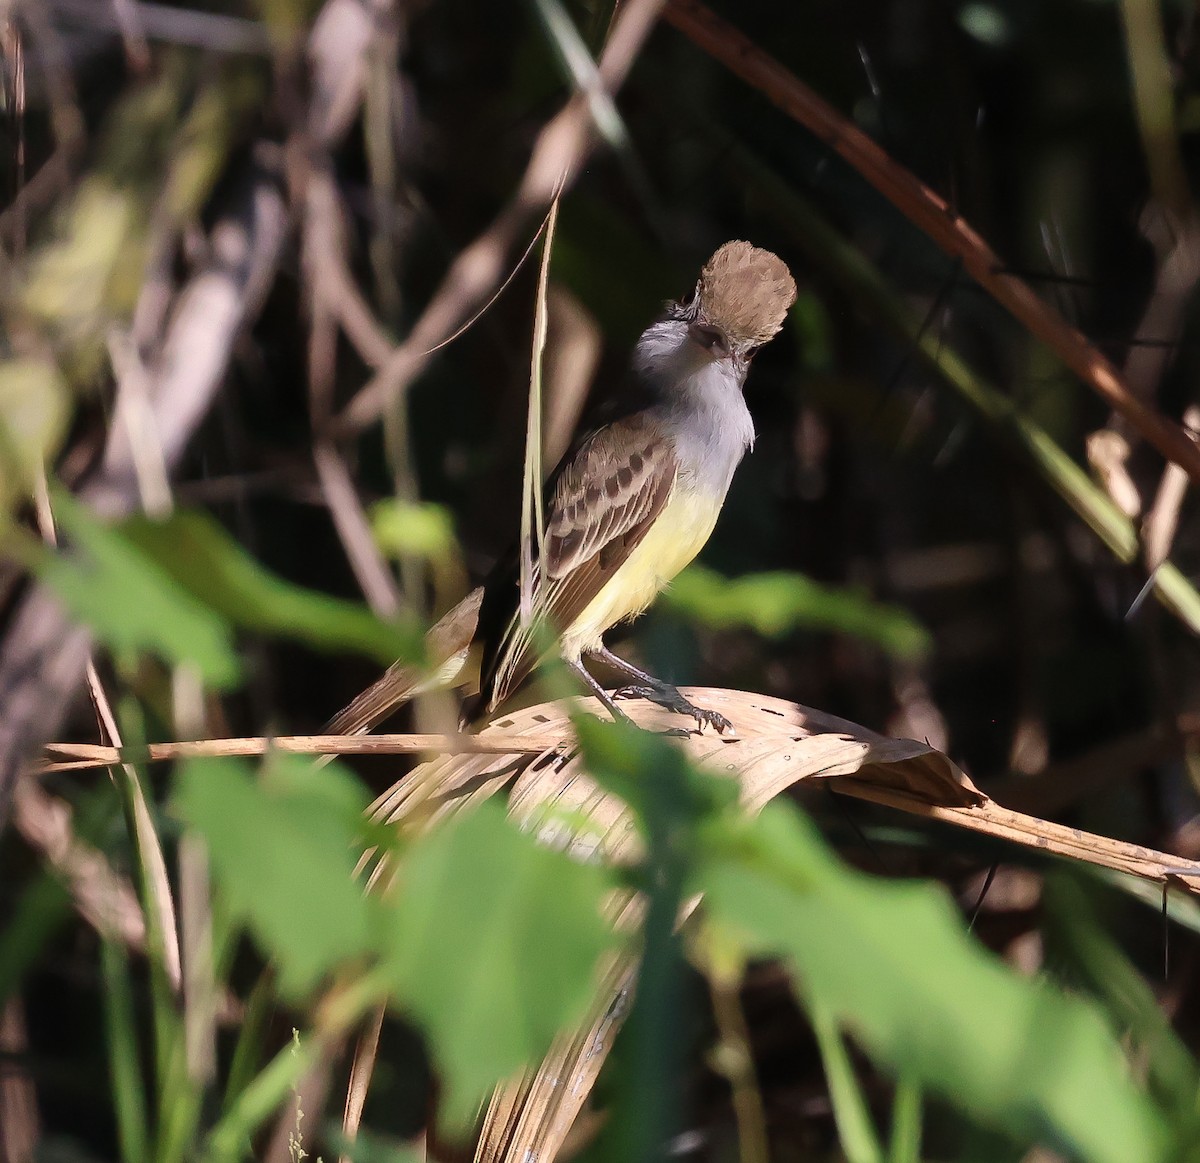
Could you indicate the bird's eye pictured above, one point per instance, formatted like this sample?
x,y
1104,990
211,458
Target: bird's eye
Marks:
x,y
707,337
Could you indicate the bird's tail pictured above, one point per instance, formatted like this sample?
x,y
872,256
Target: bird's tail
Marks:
x,y
447,646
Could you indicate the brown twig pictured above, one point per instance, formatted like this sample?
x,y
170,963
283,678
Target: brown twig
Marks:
x,y
19,1123
366,1050
934,216
991,819
207,30
557,155
1158,529
105,900
85,756
354,531
329,273
44,655
735,1059
156,882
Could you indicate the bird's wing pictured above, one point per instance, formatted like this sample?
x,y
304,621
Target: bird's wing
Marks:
x,y
600,503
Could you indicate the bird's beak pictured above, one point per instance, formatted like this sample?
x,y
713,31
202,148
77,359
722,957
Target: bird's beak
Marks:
x,y
711,338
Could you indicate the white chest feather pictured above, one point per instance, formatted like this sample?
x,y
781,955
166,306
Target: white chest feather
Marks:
x,y
710,429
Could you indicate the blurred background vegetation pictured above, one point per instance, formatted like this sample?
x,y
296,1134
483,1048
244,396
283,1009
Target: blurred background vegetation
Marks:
x,y
247,206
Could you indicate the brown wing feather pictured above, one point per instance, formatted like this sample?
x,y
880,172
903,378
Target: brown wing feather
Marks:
x,y
600,504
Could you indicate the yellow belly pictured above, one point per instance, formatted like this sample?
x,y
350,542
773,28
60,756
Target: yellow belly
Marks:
x,y
677,535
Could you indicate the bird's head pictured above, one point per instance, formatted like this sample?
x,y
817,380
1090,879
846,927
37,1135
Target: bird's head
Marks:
x,y
740,301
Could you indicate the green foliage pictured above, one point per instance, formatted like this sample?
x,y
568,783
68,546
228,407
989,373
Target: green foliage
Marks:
x,y
129,1097
39,910
87,276
33,414
486,939
668,799
130,602
204,560
424,530
774,604
283,850
1075,936
492,947
892,964
214,122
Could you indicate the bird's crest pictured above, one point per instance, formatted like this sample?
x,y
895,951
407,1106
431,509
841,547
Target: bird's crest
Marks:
x,y
746,292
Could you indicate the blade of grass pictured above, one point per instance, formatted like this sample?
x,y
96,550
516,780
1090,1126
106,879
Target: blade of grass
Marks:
x,y
259,1100
905,1143
735,1061
855,1130
251,1040
1154,103
366,1051
342,1007
193,1056
533,516
870,290
129,1096
579,65
154,888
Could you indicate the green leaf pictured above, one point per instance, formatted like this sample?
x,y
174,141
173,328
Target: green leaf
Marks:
x,y
421,529
856,1131
892,964
207,562
773,604
492,948
130,603
33,414
283,851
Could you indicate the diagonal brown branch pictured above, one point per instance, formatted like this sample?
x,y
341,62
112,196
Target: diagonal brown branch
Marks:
x,y
557,156
935,217
44,654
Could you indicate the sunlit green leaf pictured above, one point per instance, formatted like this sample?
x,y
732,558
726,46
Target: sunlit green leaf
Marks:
x,y
893,965
424,530
492,948
776,603
207,562
130,603
283,849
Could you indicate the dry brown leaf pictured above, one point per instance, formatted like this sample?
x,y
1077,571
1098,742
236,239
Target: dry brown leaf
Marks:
x,y
777,745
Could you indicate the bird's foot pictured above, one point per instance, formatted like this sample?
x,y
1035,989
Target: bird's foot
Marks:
x,y
671,699
619,716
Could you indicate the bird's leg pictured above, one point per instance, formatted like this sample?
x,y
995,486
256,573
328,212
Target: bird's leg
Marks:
x,y
654,690
580,671
619,716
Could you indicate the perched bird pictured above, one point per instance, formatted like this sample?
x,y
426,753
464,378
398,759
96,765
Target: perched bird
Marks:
x,y
630,504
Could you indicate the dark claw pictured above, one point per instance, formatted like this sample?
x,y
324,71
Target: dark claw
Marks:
x,y
713,718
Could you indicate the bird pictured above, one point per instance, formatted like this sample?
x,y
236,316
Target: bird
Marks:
x,y
633,500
